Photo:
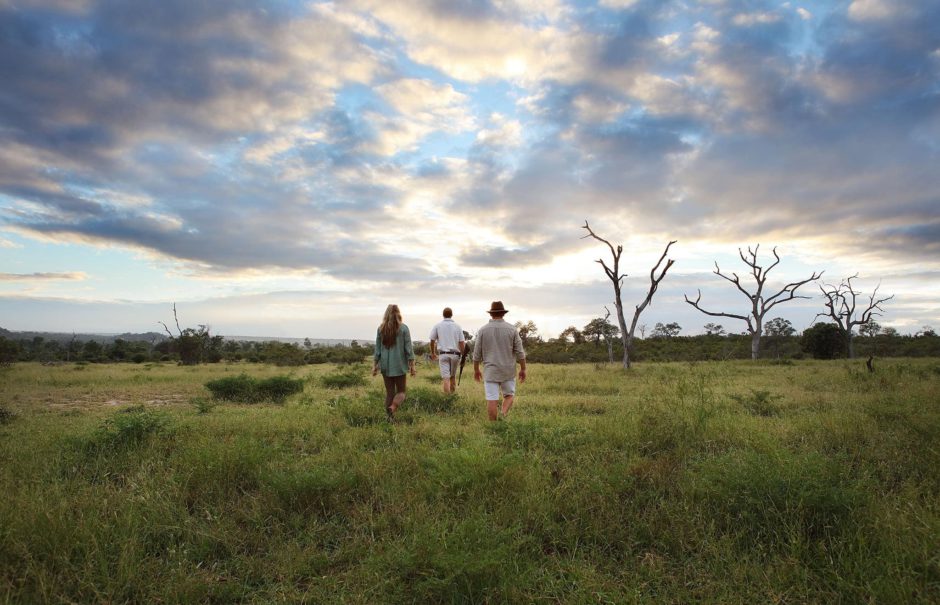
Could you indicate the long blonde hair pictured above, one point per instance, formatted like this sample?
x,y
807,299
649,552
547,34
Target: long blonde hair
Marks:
x,y
390,325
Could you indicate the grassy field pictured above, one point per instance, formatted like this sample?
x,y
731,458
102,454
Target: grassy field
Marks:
x,y
735,482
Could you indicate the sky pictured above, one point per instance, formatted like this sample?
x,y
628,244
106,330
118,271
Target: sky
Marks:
x,y
290,168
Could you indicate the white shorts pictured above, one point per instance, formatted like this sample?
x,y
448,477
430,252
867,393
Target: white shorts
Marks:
x,y
492,389
449,364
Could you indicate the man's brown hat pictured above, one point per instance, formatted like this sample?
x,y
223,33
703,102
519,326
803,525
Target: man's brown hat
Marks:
x,y
497,308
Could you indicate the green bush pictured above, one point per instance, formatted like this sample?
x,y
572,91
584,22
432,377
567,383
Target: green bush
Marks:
x,y
203,405
245,389
128,428
241,388
823,341
279,388
759,403
351,377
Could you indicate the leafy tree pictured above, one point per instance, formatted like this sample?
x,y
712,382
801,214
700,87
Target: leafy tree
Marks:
x,y
870,329
599,328
713,329
779,326
822,341
528,332
778,330
191,344
669,330
573,333
92,351
9,351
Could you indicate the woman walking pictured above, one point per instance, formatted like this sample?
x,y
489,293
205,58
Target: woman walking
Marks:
x,y
394,357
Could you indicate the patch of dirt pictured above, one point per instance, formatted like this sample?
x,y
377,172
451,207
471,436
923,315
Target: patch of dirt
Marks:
x,y
93,402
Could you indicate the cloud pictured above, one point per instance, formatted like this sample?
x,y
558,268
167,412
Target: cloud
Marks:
x,y
476,40
414,143
73,276
417,108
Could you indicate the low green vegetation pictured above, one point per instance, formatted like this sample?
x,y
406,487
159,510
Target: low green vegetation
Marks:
x,y
349,376
704,482
247,389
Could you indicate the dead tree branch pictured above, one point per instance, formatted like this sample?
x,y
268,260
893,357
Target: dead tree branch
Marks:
x,y
760,305
616,279
841,305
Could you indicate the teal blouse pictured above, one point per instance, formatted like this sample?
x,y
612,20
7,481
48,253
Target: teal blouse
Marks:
x,y
394,361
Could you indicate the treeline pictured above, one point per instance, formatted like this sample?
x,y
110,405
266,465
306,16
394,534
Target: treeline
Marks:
x,y
188,349
812,344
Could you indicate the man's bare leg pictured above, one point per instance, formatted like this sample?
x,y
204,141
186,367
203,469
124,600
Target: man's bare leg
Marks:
x,y
507,404
492,407
453,384
447,385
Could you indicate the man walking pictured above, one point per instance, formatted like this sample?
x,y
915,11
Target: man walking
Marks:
x,y
499,347
447,341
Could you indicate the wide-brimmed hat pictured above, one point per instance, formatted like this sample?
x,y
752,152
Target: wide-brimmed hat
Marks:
x,y
497,308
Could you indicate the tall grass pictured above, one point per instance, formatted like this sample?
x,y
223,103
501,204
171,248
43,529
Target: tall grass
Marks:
x,y
671,483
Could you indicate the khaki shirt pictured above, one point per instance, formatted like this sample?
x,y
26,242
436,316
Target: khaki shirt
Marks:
x,y
498,346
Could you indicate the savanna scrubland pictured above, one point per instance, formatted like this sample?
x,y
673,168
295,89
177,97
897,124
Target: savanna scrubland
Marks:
x,y
797,481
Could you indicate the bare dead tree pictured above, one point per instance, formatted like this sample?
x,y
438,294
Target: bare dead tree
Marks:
x,y
616,278
170,334
610,344
841,307
759,304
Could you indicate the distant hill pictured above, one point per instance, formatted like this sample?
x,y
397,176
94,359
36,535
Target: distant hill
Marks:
x,y
66,337
316,341
155,337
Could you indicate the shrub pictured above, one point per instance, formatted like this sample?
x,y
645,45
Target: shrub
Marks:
x,y
279,388
241,388
203,405
128,428
351,377
760,403
6,415
823,341
245,389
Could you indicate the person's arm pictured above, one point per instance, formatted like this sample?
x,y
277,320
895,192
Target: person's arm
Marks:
x,y
519,351
378,353
432,342
476,372
409,350
461,346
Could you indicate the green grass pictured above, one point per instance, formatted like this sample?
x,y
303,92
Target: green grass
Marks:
x,y
733,482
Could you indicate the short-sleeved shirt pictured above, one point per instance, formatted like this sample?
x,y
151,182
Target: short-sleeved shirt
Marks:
x,y
393,361
448,335
498,346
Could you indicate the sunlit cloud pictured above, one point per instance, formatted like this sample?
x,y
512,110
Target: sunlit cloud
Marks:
x,y
74,276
